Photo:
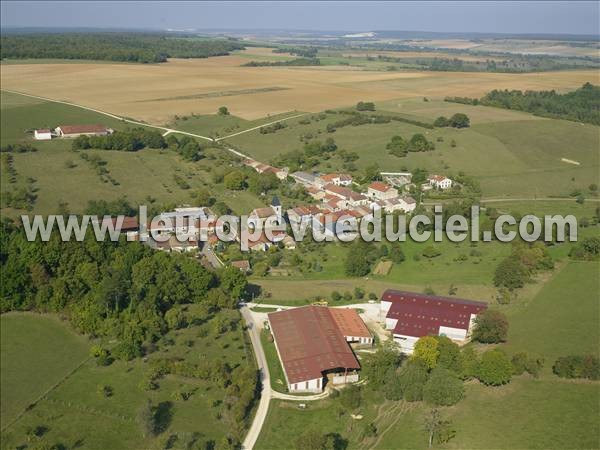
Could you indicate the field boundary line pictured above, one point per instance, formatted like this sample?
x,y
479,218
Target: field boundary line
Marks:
x,y
114,116
260,126
32,405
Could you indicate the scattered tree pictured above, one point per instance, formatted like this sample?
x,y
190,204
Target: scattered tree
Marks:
x,y
491,327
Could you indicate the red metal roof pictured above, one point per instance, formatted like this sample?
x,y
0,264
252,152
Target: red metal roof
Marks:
x,y
349,322
80,129
421,315
310,342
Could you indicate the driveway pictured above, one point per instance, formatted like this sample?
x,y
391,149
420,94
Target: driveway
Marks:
x,y
254,329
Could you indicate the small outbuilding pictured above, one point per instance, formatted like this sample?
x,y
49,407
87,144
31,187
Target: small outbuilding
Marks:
x,y
42,134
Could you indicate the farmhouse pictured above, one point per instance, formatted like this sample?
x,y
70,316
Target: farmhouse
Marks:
x,y
42,134
312,347
439,181
381,191
411,316
73,131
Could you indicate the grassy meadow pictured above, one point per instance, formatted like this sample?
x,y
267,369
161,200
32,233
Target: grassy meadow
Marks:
x,y
38,351
511,154
61,175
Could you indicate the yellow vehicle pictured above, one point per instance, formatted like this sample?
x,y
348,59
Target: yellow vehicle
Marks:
x,y
320,303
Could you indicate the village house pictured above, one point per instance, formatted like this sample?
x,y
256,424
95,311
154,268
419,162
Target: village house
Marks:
x,y
262,242
243,265
302,214
381,191
259,216
339,179
352,198
289,242
172,244
304,178
439,182
316,193
411,316
42,134
404,204
73,131
312,347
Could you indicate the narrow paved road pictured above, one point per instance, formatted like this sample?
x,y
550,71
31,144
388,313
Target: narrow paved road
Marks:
x,y
265,394
211,257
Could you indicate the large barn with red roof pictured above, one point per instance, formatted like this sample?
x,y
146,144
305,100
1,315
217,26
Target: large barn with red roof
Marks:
x,y
410,316
312,344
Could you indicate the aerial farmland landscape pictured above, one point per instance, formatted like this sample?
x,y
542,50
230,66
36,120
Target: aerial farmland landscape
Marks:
x,y
342,225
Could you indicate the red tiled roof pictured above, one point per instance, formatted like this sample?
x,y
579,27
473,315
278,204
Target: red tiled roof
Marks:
x,y
349,322
309,343
242,264
129,223
263,213
379,186
420,315
79,129
44,130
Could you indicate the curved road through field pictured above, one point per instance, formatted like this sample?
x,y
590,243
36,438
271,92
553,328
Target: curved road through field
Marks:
x,y
158,127
265,379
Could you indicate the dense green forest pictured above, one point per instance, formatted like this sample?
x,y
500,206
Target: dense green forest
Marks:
x,y
128,47
581,105
121,290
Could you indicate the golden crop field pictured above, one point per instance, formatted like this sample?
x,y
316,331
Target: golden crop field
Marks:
x,y
155,93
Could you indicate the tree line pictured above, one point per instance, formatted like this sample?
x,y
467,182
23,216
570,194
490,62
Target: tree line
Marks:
x,y
132,140
581,105
289,62
356,118
110,46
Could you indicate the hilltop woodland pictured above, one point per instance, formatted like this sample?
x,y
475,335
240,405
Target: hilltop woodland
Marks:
x,y
125,47
581,105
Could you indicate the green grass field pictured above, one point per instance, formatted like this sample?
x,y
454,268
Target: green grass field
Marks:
x,y
140,175
37,351
526,151
276,373
563,318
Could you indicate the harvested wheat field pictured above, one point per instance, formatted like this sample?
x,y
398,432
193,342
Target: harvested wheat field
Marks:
x,y
155,93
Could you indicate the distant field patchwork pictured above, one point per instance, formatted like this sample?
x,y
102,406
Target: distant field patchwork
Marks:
x,y
129,89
